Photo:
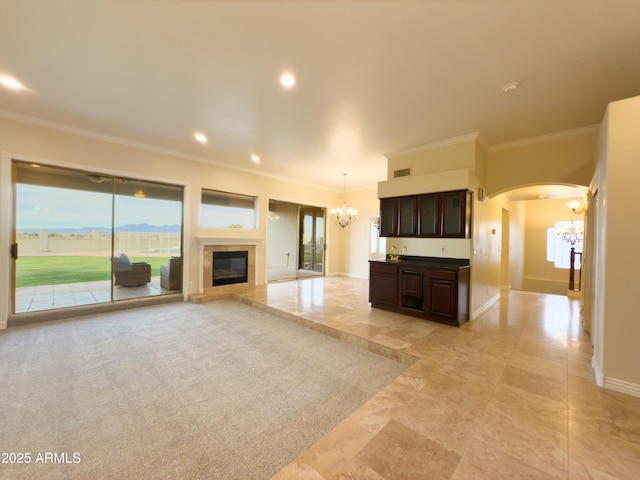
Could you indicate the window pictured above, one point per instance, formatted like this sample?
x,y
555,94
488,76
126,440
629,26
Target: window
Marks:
x,y
227,210
559,250
377,244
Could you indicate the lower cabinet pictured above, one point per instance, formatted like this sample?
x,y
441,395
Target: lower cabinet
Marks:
x,y
383,285
442,290
436,293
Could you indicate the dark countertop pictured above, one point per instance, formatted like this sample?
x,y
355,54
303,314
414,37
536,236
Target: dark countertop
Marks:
x,y
431,262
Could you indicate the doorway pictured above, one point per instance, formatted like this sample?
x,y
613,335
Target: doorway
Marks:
x,y
311,258
295,241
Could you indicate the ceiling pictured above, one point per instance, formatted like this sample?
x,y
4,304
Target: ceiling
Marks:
x,y
372,77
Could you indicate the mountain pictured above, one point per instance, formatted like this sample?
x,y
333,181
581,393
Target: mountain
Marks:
x,y
140,227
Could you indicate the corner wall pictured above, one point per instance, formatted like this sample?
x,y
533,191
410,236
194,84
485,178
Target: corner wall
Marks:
x,y
616,326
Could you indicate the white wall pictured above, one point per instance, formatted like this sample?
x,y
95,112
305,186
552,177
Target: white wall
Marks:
x,y
616,325
282,244
355,237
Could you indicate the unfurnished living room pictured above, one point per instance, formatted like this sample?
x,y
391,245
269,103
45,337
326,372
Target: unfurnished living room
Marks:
x,y
386,239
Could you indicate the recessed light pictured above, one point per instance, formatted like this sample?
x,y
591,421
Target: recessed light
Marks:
x,y
255,158
11,83
287,80
200,137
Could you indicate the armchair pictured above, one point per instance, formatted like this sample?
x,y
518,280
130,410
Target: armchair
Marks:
x,y
171,273
129,274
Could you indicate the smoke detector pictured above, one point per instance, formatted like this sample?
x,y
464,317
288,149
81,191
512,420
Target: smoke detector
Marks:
x,y
510,87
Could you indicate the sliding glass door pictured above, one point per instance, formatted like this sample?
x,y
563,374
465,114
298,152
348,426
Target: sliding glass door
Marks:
x,y
311,239
147,238
295,241
83,238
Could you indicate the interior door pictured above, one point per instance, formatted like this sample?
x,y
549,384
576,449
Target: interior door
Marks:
x,y
312,234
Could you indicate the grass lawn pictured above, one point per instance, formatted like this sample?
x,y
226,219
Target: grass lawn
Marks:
x,y
34,271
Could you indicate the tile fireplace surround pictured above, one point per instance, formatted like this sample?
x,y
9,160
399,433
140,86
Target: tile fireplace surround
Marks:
x,y
210,245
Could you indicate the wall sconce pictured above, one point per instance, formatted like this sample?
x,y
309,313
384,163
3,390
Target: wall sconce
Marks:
x,y
576,207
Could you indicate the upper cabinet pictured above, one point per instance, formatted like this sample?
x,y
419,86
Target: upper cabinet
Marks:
x,y
388,217
456,214
429,215
435,215
407,218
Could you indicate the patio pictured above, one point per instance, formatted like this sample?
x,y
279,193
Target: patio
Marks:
x,y
46,297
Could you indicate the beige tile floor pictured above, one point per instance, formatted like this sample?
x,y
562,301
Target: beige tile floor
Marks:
x,y
510,395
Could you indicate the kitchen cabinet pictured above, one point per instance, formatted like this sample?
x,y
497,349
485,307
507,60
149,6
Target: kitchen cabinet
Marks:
x,y
442,290
407,218
434,215
383,285
388,217
412,289
432,288
456,214
429,215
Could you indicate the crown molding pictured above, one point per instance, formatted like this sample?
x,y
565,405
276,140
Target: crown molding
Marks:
x,y
60,127
546,138
476,136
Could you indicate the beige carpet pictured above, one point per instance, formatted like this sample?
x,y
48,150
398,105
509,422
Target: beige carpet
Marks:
x,y
216,391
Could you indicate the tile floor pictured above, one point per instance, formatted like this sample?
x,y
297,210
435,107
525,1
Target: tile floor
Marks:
x,y
510,395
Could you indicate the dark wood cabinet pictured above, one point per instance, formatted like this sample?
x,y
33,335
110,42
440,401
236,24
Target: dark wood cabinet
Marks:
x,y
383,285
388,217
412,289
436,215
407,218
442,291
433,291
429,215
456,214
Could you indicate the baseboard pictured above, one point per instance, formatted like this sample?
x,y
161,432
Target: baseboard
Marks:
x,y
597,372
485,307
622,386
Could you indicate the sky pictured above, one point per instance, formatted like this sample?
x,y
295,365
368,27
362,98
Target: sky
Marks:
x,y
48,207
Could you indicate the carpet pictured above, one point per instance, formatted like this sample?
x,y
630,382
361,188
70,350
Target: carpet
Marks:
x,y
218,390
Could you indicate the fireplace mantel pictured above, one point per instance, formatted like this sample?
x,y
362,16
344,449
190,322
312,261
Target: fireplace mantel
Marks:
x,y
202,241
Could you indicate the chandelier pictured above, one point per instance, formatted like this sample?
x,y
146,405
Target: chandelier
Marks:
x,y
344,216
572,234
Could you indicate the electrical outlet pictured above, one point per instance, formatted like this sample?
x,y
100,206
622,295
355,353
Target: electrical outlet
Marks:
x,y
443,249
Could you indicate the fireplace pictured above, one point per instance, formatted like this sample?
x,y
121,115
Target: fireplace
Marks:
x,y
210,245
230,267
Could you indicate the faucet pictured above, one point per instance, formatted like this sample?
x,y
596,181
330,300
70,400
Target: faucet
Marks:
x,y
393,257
404,250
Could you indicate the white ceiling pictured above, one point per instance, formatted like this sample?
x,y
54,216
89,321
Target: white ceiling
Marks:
x,y
372,76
